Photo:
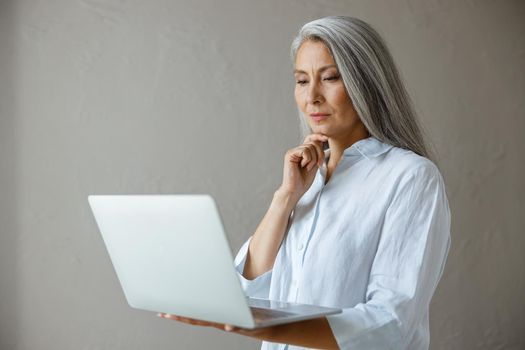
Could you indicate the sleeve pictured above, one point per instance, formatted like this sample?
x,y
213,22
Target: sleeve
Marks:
x,y
410,258
259,287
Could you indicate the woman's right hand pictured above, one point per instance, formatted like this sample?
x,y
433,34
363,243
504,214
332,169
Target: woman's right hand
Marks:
x,y
300,166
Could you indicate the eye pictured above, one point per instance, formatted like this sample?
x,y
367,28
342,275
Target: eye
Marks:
x,y
301,82
335,77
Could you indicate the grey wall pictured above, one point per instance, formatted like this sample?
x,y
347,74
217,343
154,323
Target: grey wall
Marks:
x,y
167,97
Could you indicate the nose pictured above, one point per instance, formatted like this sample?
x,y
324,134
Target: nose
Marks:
x,y
314,94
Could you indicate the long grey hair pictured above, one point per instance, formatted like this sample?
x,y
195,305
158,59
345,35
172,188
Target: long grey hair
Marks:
x,y
371,80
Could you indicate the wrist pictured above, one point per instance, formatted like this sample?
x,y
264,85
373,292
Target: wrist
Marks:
x,y
284,200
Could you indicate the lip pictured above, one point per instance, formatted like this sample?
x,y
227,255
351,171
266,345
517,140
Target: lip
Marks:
x,y
319,116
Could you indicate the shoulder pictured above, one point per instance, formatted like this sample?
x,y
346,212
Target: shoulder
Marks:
x,y
415,183
404,166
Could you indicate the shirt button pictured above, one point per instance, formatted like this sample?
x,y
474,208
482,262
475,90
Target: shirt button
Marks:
x,y
300,247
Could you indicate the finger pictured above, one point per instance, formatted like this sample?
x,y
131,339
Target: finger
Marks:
x,y
191,321
316,148
320,154
307,156
296,154
176,317
244,331
313,161
168,316
315,138
229,328
194,321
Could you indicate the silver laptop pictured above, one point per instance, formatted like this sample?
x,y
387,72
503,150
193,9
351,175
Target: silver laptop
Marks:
x,y
171,255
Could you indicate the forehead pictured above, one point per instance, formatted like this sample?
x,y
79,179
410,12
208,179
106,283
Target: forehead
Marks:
x,y
313,55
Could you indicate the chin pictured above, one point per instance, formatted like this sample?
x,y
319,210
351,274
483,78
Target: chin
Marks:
x,y
321,129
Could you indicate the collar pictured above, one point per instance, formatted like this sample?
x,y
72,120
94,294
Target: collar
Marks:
x,y
369,147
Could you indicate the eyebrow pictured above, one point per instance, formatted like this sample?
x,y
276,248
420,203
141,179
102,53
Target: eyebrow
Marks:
x,y
320,69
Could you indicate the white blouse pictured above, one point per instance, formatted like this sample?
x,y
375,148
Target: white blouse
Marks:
x,y
372,241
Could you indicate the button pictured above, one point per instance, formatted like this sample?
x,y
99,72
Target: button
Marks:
x,y
300,247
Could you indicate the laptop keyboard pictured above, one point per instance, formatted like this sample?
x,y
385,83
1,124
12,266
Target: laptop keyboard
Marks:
x,y
260,314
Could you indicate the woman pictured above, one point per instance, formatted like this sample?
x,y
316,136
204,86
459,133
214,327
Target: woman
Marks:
x,y
363,225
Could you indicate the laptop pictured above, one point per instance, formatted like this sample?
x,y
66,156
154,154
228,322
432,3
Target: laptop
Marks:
x,y
171,255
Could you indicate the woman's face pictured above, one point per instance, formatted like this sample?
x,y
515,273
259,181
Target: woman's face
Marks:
x,y
319,88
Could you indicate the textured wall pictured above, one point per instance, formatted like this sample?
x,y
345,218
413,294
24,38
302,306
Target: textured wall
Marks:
x,y
107,96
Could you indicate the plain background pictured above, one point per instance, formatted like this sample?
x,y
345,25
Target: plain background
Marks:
x,y
115,96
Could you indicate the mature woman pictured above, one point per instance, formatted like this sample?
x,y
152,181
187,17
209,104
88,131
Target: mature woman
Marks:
x,y
361,220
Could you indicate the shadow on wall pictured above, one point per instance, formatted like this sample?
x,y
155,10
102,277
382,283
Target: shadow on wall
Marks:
x,y
8,222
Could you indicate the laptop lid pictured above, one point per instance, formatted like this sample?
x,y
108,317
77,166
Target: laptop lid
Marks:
x,y
155,241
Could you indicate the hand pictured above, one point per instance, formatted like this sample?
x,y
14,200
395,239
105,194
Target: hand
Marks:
x,y
196,322
257,333
314,333
301,164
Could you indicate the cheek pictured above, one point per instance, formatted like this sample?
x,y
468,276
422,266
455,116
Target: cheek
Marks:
x,y
299,98
341,100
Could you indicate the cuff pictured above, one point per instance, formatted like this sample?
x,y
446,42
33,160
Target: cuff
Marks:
x,y
259,287
365,327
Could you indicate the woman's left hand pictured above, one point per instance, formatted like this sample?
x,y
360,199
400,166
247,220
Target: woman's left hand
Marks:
x,y
224,327
314,333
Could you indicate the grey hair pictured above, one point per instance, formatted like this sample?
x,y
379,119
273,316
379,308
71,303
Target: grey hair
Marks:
x,y
371,80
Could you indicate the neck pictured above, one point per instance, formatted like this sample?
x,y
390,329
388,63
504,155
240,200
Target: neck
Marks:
x,y
339,143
